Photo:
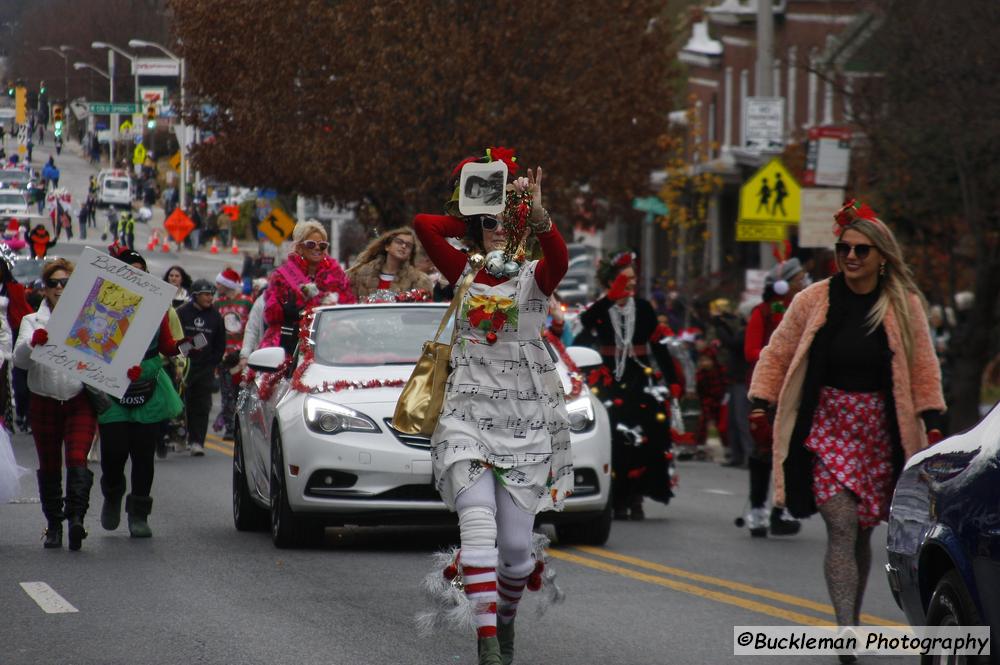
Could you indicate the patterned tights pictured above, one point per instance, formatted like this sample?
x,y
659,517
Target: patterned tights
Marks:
x,y
848,557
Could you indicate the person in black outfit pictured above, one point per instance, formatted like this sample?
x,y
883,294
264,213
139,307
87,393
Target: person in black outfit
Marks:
x,y
729,330
627,329
199,316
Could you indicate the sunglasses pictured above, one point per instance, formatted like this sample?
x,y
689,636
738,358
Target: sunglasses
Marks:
x,y
488,222
53,283
861,251
312,244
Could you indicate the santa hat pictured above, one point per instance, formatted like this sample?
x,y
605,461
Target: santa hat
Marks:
x,y
230,279
13,225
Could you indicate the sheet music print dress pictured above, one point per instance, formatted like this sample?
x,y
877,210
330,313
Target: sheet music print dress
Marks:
x,y
504,408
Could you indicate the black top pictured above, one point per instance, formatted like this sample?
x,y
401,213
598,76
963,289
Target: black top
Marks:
x,y
855,359
208,322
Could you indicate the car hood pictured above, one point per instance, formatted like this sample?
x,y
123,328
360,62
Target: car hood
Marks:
x,y
317,375
983,441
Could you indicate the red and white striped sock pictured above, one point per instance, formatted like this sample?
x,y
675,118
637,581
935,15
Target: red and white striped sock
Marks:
x,y
479,573
509,590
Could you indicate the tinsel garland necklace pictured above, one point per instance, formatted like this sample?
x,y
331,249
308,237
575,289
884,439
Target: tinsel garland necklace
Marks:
x,y
506,263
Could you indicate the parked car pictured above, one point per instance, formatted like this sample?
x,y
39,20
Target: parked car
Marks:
x,y
15,178
944,532
304,461
14,203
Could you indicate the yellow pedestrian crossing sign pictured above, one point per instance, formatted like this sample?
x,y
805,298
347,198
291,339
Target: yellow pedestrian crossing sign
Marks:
x,y
139,155
771,195
277,226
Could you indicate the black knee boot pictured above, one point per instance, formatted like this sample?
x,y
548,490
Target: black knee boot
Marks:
x,y
79,480
50,494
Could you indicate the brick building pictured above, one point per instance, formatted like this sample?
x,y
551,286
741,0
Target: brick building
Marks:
x,y
810,36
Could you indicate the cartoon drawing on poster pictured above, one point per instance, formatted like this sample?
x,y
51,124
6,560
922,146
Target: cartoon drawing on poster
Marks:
x,y
104,319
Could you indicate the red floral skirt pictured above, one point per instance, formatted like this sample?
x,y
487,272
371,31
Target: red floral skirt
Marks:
x,y
850,438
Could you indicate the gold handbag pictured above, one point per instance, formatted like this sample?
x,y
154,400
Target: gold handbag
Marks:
x,y
419,404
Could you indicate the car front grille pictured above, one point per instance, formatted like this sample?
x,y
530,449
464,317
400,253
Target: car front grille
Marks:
x,y
417,441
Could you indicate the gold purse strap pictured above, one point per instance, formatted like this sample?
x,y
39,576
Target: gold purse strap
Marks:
x,y
475,264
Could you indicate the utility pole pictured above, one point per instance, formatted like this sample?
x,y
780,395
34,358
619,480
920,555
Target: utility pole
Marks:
x,y
764,82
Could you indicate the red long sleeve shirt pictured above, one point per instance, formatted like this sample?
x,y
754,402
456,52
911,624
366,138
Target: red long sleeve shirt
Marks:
x,y
433,231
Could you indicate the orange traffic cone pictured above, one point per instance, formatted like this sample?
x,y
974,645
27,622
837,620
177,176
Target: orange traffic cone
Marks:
x,y
215,246
165,247
235,249
154,240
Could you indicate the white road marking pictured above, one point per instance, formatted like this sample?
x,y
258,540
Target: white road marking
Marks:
x,y
723,492
47,599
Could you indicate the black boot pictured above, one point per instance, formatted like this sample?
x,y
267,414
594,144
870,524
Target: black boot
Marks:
x,y
782,526
111,511
50,494
637,514
138,509
79,480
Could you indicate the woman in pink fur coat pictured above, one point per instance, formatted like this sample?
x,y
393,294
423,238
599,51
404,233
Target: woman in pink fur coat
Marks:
x,y
853,388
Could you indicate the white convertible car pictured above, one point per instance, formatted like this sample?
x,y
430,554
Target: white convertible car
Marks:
x,y
315,446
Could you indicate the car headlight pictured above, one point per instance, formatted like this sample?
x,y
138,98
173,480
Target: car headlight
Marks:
x,y
581,414
328,418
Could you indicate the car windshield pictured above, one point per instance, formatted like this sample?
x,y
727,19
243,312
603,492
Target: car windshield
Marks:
x,y
14,176
27,271
116,184
375,335
11,199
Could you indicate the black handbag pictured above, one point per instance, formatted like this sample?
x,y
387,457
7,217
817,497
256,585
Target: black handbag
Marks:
x,y
138,393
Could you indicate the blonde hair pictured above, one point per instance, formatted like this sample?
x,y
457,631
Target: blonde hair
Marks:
x,y
895,277
304,229
377,247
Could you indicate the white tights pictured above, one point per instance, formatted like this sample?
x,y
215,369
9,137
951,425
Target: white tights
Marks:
x,y
488,517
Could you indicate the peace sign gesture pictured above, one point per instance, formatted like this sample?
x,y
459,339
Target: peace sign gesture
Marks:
x,y
532,184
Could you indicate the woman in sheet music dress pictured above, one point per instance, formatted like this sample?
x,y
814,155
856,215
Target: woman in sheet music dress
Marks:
x,y
501,448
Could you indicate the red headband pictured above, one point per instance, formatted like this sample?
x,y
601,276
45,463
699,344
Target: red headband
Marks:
x,y
852,211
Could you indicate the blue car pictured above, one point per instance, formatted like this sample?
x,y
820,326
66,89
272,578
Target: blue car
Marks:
x,y
944,532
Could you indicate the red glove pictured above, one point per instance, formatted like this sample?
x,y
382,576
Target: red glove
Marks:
x,y
40,336
619,288
934,435
761,431
134,372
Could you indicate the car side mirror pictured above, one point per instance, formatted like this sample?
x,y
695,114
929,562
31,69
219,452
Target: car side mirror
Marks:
x,y
583,356
266,360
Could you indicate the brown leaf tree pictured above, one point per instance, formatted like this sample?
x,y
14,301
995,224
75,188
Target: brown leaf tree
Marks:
x,y
375,101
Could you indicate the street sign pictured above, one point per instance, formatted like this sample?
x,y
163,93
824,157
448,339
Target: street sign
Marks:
x,y
107,108
771,195
764,123
125,126
175,162
828,160
277,226
818,207
155,67
178,225
651,205
760,232
139,155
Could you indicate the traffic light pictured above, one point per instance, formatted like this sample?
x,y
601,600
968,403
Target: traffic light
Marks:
x,y
10,88
57,119
151,116
41,89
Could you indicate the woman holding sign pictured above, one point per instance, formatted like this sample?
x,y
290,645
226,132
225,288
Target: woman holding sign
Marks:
x,y
501,447
130,428
62,418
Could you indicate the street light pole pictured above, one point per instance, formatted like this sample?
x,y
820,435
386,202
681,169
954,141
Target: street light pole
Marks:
x,y
110,76
141,43
135,70
61,54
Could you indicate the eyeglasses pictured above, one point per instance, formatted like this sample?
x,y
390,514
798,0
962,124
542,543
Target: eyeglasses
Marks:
x,y
53,283
861,251
402,243
312,244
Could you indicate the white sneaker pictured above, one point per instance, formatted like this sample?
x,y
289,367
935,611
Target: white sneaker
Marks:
x,y
756,521
197,450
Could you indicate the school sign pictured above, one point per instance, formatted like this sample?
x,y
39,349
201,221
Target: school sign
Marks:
x,y
769,201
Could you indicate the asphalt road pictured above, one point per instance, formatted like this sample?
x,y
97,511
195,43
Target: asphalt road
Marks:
x,y
667,590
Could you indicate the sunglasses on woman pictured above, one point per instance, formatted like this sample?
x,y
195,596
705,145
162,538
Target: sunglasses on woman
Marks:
x,y
860,250
488,222
312,244
53,283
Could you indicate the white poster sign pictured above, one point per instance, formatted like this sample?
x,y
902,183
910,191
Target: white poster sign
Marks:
x,y
155,67
105,319
816,223
764,123
481,188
